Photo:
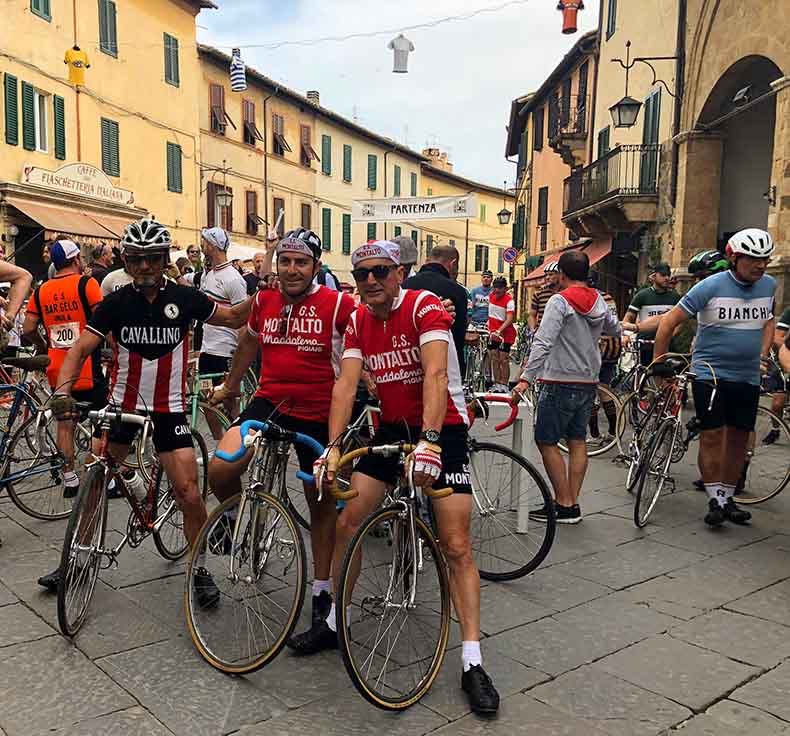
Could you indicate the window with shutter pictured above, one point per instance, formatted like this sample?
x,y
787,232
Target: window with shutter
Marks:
x,y
174,178
110,156
11,94
603,142
537,128
396,181
413,191
543,206
326,228
251,132
253,221
397,230
581,99
172,75
372,166
307,216
225,214
280,145
59,114
346,162
278,204
430,192
41,9
307,154
346,234
482,213
611,19
415,236
326,154
28,117
108,32
500,260
371,231
428,245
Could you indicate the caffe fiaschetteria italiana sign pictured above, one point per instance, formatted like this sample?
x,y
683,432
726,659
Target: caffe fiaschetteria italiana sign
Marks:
x,y
83,179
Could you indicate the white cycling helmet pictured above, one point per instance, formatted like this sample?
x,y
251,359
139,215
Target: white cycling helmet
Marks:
x,y
553,267
751,242
145,236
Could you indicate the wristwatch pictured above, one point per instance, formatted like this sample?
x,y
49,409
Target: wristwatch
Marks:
x,y
430,435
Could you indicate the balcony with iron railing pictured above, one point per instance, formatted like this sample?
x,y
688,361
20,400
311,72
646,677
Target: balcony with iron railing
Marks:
x,y
622,184
567,127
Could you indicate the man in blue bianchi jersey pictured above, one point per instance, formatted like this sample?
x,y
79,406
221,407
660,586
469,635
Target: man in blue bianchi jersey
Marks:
x,y
735,327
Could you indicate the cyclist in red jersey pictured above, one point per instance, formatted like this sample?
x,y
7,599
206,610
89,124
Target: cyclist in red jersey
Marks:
x,y
404,339
299,327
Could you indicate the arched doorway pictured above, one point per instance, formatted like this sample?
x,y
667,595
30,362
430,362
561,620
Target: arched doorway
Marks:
x,y
741,109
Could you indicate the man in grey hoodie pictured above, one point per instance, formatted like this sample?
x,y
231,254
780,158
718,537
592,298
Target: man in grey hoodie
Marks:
x,y
566,360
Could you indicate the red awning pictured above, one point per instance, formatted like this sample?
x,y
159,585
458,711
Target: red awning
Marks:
x,y
595,250
598,249
538,273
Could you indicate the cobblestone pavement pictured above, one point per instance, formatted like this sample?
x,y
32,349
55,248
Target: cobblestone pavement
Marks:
x,y
621,631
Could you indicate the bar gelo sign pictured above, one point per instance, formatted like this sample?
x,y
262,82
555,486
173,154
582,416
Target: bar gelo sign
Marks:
x,y
406,209
81,179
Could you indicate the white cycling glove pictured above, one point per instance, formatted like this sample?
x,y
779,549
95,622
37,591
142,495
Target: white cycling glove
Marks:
x,y
427,459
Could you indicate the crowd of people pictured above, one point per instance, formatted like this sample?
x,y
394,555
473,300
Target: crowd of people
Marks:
x,y
400,335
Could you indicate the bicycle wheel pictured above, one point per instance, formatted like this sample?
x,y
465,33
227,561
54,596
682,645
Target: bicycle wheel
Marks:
x,y
506,488
261,601
392,647
82,549
655,467
170,540
211,419
607,401
767,468
34,468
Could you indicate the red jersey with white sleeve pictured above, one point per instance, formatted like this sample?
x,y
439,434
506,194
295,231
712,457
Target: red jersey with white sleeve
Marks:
x,y
499,308
391,352
301,346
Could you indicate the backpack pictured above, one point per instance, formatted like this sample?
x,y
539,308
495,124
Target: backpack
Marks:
x,y
322,278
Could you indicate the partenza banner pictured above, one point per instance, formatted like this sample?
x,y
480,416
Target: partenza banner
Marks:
x,y
406,209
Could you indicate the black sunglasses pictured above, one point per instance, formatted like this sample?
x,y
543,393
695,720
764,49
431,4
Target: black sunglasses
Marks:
x,y
192,252
379,272
154,260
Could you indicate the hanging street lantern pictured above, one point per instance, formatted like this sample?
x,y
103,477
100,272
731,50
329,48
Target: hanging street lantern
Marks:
x,y
504,214
570,10
625,112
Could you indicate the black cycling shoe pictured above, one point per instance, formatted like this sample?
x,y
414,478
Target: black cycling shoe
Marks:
x,y
715,516
50,581
316,639
734,514
699,485
322,603
483,697
206,590
70,491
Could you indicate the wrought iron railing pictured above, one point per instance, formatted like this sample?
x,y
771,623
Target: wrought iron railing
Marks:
x,y
628,170
567,116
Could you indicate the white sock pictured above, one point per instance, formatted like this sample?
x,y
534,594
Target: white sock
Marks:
x,y
330,619
70,478
714,491
728,491
470,654
319,586
111,484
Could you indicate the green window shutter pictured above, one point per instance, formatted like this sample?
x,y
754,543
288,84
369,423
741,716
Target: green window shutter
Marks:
x,y
172,75
28,117
11,110
396,183
174,178
58,106
41,8
397,230
346,234
110,158
482,213
413,184
326,154
372,165
346,162
108,32
371,231
415,237
326,228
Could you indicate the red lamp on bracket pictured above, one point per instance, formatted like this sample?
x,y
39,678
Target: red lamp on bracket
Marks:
x,y
570,9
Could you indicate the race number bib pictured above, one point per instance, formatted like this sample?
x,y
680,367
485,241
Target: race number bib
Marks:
x,y
64,335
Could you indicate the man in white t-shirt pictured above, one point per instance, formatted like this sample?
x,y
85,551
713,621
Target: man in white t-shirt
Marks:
x,y
224,285
114,281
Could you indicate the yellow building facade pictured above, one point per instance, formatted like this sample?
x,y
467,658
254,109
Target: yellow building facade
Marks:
x,y
85,159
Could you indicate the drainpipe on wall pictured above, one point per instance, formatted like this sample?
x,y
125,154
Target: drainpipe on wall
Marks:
x,y
680,73
386,153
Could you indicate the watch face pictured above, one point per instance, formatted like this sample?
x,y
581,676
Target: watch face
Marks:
x,y
431,436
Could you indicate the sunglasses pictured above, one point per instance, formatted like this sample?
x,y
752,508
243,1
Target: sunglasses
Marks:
x,y
154,260
192,252
379,272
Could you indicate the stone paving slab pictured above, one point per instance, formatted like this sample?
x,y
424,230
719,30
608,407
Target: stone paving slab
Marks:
x,y
17,540
749,719
763,644
616,706
649,594
697,537
163,599
185,693
131,722
676,509
770,693
771,603
681,672
18,624
630,563
554,589
138,565
50,684
506,610
7,598
705,725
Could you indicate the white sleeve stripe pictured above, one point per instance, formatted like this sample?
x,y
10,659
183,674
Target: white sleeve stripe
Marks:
x,y
252,332
433,336
95,331
352,353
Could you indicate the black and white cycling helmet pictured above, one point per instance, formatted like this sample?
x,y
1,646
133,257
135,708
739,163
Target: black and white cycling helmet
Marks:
x,y
751,242
707,263
552,267
300,240
145,237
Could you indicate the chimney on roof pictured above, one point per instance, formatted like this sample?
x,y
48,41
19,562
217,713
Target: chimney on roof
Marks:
x,y
313,97
437,158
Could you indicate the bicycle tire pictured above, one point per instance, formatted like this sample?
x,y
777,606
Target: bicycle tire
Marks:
x,y
175,520
505,518
214,559
604,448
387,700
655,464
775,448
39,460
94,483
206,410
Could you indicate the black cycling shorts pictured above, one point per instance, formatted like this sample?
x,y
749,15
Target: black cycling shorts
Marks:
x,y
262,410
500,345
208,363
735,405
455,456
171,431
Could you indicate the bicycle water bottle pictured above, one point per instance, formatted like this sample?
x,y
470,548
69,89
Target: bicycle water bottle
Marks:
x,y
135,485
